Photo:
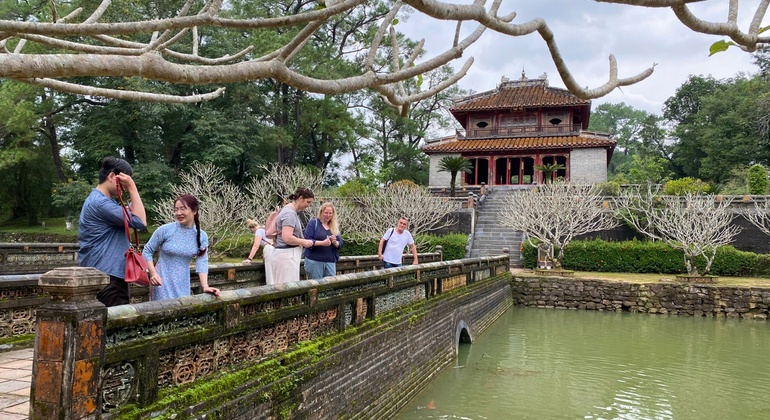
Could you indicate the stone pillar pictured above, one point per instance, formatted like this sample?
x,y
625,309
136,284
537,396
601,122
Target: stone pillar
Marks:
x,y
69,346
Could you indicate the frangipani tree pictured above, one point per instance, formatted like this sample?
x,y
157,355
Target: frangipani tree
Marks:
x,y
378,211
552,215
695,224
276,184
223,206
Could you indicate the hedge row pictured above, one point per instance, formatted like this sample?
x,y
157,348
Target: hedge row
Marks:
x,y
453,246
650,257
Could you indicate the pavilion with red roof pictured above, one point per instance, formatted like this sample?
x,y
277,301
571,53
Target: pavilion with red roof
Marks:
x,y
510,131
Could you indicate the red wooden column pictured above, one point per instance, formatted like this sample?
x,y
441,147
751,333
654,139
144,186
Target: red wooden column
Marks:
x,y
69,346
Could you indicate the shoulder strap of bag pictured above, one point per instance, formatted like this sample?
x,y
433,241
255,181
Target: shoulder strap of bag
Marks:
x,y
126,218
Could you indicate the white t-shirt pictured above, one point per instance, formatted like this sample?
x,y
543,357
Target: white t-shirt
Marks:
x,y
394,252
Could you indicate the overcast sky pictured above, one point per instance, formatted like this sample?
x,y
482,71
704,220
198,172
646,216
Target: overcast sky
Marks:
x,y
587,33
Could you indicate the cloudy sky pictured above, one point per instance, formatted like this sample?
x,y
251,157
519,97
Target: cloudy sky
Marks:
x,y
587,33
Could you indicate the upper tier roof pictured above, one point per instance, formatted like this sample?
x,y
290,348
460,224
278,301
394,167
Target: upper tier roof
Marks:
x,y
522,93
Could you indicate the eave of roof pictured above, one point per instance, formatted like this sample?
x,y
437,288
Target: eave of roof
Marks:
x,y
578,141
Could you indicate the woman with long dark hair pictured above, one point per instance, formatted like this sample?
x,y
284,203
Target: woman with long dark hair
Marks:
x,y
177,244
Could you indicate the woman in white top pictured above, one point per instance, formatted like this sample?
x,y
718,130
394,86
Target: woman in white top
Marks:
x,y
267,251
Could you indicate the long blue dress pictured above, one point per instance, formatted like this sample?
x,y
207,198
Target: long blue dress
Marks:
x,y
177,246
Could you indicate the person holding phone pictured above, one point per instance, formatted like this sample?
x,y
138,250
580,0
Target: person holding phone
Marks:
x,y
321,258
101,232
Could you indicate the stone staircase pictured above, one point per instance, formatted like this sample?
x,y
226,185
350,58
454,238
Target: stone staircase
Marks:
x,y
490,237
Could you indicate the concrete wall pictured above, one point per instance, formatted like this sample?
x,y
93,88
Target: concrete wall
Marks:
x,y
588,165
438,178
654,298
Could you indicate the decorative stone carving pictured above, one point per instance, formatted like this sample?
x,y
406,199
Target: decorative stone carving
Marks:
x,y
119,382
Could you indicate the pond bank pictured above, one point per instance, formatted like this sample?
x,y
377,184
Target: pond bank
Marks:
x,y
663,297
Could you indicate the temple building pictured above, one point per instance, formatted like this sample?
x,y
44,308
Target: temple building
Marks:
x,y
521,132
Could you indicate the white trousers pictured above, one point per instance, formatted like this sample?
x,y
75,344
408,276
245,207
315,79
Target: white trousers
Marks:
x,y
267,255
285,264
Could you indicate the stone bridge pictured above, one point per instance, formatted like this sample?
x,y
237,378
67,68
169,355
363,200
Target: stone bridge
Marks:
x,y
357,345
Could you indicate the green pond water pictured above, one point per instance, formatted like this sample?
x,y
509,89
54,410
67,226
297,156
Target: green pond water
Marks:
x,y
566,364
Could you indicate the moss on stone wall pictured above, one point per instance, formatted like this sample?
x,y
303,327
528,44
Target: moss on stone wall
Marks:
x,y
275,381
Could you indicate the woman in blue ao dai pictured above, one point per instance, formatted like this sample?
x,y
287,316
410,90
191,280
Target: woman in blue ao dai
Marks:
x,y
177,244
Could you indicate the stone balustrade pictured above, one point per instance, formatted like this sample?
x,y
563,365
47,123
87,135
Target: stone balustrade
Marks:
x,y
20,295
34,258
91,360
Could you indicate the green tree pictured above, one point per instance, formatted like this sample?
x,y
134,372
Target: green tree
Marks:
x,y
723,134
635,130
757,180
681,111
646,170
454,165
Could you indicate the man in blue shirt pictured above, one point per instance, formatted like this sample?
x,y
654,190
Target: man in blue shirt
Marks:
x,y
101,232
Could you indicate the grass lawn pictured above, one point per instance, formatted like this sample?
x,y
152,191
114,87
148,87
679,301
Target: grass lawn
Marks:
x,y
54,226
655,278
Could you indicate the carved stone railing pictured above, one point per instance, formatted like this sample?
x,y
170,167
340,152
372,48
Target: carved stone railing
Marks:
x,y
20,295
90,360
34,258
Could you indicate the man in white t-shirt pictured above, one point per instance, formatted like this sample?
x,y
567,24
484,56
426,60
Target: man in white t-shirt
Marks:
x,y
397,239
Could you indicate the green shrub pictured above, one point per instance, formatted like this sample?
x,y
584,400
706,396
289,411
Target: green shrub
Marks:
x,y
757,180
528,255
353,188
351,248
453,246
683,186
650,257
609,189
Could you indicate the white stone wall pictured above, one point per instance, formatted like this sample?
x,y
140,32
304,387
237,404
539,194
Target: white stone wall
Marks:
x,y
588,165
438,178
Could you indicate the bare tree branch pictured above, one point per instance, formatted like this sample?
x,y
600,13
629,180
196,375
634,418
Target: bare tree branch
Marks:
x,y
122,50
223,207
696,224
376,212
555,213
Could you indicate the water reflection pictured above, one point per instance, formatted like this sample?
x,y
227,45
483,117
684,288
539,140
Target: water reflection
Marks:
x,y
555,364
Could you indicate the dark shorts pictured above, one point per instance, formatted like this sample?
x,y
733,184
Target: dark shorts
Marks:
x,y
115,293
386,264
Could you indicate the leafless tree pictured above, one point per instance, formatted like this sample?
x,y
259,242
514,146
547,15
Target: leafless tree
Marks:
x,y
554,214
374,213
70,47
759,216
696,224
274,185
223,206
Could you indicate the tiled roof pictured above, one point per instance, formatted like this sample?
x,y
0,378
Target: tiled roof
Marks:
x,y
519,94
580,141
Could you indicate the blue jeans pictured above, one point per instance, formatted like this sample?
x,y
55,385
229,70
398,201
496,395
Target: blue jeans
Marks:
x,y
319,269
386,264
